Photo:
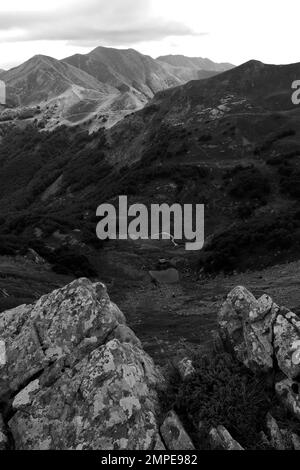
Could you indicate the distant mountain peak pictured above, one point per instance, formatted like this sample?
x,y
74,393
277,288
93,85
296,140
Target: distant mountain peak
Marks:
x,y
101,86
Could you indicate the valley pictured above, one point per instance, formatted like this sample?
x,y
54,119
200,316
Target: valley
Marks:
x,y
231,142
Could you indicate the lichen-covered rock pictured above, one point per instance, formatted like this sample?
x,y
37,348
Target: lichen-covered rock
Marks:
x,y
220,439
125,335
289,393
76,376
174,435
248,327
159,445
287,343
185,368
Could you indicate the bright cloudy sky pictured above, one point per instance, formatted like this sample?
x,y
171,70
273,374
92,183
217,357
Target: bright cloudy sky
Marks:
x,y
223,30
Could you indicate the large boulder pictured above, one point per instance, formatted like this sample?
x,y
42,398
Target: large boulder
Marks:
x,y
247,324
74,376
287,343
261,334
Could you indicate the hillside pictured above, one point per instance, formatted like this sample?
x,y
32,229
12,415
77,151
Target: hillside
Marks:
x,y
196,63
42,78
129,68
231,142
199,142
98,89
125,69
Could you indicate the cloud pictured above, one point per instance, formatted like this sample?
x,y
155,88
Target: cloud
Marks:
x,y
94,22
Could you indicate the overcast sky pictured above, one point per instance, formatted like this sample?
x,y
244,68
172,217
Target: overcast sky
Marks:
x,y
223,30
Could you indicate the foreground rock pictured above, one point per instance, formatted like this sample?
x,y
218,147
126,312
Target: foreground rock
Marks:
x,y
75,376
220,439
277,438
185,368
289,393
174,434
265,338
248,325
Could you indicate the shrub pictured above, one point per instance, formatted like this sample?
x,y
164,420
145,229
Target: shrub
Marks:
x,y
249,184
221,392
290,184
243,244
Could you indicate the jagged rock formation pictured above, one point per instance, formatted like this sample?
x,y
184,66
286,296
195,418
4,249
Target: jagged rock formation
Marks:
x,y
74,376
266,338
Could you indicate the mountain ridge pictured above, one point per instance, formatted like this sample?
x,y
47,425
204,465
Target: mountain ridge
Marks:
x,y
99,88
195,62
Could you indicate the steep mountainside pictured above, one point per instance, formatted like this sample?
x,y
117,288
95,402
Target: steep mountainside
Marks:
x,y
97,89
42,78
231,142
125,69
54,93
129,68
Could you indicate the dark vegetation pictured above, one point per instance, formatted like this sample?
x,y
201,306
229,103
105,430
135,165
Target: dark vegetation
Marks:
x,y
221,392
32,161
255,243
247,184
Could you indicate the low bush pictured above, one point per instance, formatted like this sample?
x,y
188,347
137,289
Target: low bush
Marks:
x,y
249,184
252,244
221,392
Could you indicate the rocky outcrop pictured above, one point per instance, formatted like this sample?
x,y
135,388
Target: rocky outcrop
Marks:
x,y
185,368
174,434
265,338
287,343
289,393
74,376
248,326
220,439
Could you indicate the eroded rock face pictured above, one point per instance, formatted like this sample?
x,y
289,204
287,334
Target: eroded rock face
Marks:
x,y
76,375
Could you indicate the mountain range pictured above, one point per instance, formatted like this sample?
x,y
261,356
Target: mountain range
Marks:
x,y
100,87
230,141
